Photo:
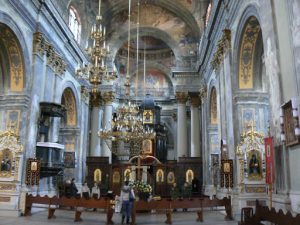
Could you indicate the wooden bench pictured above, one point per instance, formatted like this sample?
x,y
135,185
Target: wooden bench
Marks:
x,y
54,203
168,205
263,213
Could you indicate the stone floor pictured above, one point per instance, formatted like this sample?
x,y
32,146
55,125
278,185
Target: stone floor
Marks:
x,y
66,217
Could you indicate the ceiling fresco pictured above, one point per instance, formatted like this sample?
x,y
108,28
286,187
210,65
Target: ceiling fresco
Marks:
x,y
169,30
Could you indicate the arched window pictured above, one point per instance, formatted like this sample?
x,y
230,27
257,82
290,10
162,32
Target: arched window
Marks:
x,y
74,23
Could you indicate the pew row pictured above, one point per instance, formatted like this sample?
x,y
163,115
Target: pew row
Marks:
x,y
79,204
169,205
263,213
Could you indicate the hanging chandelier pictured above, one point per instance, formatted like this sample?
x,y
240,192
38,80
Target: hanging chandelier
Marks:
x,y
97,70
127,122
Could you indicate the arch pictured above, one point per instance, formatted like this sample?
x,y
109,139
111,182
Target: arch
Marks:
x,y
74,22
175,8
68,100
122,36
8,21
12,60
247,52
213,109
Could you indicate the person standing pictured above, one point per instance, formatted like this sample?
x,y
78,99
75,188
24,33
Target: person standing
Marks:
x,y
127,196
73,188
95,191
85,191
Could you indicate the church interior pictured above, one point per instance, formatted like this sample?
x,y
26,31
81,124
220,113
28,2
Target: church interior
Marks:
x,y
187,98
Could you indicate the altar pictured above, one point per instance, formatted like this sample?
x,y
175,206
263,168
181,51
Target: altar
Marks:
x,y
160,176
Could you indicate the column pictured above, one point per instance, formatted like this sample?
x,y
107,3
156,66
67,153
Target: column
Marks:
x,y
195,126
181,124
108,98
96,117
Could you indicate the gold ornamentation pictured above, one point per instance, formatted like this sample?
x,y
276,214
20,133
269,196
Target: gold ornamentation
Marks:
x,y
95,99
7,187
251,189
224,44
10,140
4,199
181,97
14,52
247,53
38,44
203,92
108,97
195,101
213,107
85,94
54,60
70,105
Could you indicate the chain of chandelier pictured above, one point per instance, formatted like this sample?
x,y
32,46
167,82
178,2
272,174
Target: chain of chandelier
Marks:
x,y
127,122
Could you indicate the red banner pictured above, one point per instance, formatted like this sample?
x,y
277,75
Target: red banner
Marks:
x,y
270,165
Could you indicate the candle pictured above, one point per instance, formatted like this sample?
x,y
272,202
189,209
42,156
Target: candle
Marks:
x,y
96,61
99,6
129,7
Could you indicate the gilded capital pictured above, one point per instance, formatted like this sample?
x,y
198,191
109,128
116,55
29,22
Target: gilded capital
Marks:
x,y
181,97
38,43
195,101
95,97
108,97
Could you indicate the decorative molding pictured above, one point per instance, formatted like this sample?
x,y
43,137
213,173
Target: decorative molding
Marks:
x,y
95,99
7,187
181,97
84,94
108,97
41,46
224,44
203,92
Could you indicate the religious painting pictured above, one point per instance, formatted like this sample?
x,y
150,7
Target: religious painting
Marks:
x,y
171,178
159,176
148,117
116,177
189,176
127,175
6,158
13,118
147,146
254,165
97,175
226,174
227,166
248,118
289,125
69,159
33,168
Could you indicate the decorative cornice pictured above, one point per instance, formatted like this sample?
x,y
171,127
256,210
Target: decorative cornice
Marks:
x,y
108,97
224,44
181,97
84,94
54,60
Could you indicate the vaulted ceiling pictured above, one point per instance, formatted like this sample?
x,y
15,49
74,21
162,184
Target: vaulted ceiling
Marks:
x,y
169,30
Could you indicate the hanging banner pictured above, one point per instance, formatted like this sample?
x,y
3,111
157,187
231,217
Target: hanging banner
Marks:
x,y
270,165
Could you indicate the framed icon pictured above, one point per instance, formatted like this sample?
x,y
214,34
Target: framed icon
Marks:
x,y
171,178
159,176
227,166
147,146
147,117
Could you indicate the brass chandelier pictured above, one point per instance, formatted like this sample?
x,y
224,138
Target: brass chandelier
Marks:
x,y
97,71
127,122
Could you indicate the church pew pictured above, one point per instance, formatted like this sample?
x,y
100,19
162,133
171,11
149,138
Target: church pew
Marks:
x,y
78,203
163,204
263,213
193,203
